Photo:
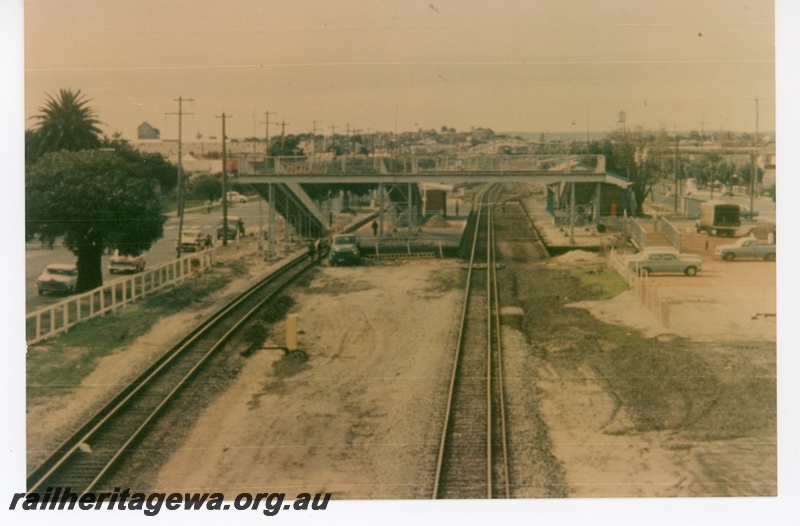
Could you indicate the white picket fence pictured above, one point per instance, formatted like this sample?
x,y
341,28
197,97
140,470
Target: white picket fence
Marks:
x,y
59,317
644,287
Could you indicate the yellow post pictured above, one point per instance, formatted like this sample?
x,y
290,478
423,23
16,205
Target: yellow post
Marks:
x,y
291,332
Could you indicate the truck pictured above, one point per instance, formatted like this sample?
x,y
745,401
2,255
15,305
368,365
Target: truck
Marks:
x,y
718,218
747,247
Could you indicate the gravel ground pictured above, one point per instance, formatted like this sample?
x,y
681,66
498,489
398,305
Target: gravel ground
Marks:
x,y
361,417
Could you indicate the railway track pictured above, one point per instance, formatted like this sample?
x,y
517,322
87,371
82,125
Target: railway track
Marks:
x,y
87,455
473,455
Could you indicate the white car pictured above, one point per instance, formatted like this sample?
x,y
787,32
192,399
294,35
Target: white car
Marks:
x,y
193,240
58,277
665,259
236,197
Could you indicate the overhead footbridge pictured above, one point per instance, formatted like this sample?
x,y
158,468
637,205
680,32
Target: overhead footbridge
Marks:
x,y
398,179
541,169
290,201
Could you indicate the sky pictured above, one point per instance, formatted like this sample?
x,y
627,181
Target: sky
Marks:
x,y
509,65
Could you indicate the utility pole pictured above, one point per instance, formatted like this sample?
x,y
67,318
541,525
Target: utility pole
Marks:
x,y
271,211
356,132
180,115
314,140
755,166
224,183
677,168
283,135
266,138
333,138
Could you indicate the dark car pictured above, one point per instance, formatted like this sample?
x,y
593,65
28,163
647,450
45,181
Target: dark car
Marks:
x,y
235,228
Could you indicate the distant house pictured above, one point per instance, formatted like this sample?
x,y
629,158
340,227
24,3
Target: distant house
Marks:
x,y
148,132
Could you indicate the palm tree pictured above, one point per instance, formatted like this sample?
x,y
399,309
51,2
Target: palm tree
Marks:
x,y
65,123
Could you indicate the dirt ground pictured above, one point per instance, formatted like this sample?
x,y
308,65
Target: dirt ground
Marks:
x,y
361,417
604,400
651,411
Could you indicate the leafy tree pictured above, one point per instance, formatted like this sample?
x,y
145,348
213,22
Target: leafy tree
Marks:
x,y
65,123
635,155
96,200
31,146
335,148
207,187
285,146
151,165
745,173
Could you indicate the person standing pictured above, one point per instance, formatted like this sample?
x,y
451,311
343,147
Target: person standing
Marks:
x,y
374,229
318,251
312,249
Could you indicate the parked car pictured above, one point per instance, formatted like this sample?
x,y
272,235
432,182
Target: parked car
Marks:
x,y
746,213
194,240
747,247
344,249
236,197
125,263
58,277
235,228
666,260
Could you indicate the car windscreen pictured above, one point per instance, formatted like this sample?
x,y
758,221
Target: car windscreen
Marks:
x,y
62,272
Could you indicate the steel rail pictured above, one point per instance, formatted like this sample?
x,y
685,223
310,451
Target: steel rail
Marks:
x,y
40,476
489,422
496,463
461,330
499,362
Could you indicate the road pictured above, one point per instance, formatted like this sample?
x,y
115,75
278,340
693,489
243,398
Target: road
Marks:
x,y
162,251
765,206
